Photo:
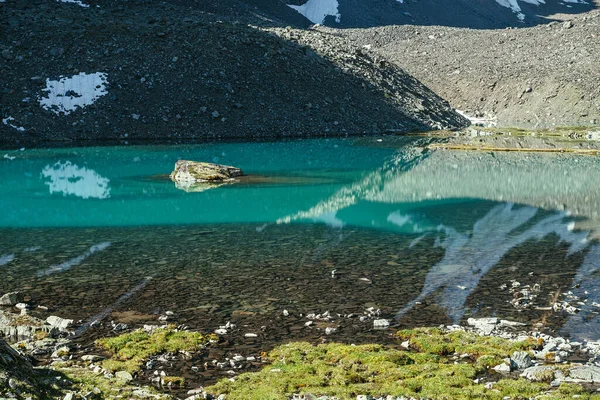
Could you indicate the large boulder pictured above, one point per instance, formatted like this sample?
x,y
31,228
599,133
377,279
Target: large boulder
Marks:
x,y
193,176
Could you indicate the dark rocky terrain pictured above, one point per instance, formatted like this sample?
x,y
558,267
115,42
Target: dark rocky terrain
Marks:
x,y
175,72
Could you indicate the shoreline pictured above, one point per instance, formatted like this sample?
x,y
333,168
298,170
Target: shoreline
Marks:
x,y
546,361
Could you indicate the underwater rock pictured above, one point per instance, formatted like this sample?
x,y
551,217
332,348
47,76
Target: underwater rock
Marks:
x,y
193,176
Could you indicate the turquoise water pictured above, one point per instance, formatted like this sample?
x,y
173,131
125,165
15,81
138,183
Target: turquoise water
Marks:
x,y
331,225
112,186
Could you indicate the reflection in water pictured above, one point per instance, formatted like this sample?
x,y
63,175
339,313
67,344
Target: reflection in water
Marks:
x,y
100,316
565,184
74,261
585,324
548,181
69,179
441,226
470,256
5,259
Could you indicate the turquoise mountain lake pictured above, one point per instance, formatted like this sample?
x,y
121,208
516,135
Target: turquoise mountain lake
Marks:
x,y
340,225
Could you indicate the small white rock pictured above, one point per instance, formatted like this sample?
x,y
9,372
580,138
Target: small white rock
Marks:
x,y
381,323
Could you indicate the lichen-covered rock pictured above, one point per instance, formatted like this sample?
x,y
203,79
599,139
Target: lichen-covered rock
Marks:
x,y
585,373
193,176
11,299
540,373
520,360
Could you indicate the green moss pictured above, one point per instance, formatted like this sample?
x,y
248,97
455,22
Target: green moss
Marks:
x,y
173,381
128,351
434,341
428,370
98,386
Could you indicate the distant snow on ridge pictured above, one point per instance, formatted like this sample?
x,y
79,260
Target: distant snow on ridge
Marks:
x,y
516,8
317,10
69,93
79,3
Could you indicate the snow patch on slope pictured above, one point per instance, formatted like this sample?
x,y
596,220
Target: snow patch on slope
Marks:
x,y
317,10
8,122
69,93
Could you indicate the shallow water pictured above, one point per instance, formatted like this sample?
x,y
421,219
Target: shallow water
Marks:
x,y
427,238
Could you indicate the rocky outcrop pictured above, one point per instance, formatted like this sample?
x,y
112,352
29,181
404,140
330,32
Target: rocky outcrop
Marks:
x,y
11,299
19,326
193,176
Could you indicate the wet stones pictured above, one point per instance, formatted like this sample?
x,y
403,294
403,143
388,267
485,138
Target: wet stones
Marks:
x,y
381,323
59,322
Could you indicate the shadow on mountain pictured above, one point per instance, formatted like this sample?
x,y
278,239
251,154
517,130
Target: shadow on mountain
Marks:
x,y
176,73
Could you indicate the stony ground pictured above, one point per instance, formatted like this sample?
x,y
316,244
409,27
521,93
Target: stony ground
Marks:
x,y
175,72
541,76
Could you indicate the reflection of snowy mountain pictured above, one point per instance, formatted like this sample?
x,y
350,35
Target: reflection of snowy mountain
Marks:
x,y
464,13
564,185
69,179
551,182
470,256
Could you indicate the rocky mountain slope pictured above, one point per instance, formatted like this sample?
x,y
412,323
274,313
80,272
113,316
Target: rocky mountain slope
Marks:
x,y
533,77
142,71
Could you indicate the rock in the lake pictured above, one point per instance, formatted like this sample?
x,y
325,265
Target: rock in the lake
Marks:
x,y
193,176
520,360
11,299
203,172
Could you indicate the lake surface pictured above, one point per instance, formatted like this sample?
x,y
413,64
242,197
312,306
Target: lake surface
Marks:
x,y
345,226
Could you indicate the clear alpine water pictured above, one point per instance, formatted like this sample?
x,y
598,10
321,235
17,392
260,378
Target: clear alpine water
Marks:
x,y
361,228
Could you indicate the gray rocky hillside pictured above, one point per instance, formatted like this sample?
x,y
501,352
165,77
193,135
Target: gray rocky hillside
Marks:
x,y
540,76
159,70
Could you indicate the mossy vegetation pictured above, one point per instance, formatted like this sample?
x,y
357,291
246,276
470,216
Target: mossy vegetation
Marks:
x,y
438,365
128,351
